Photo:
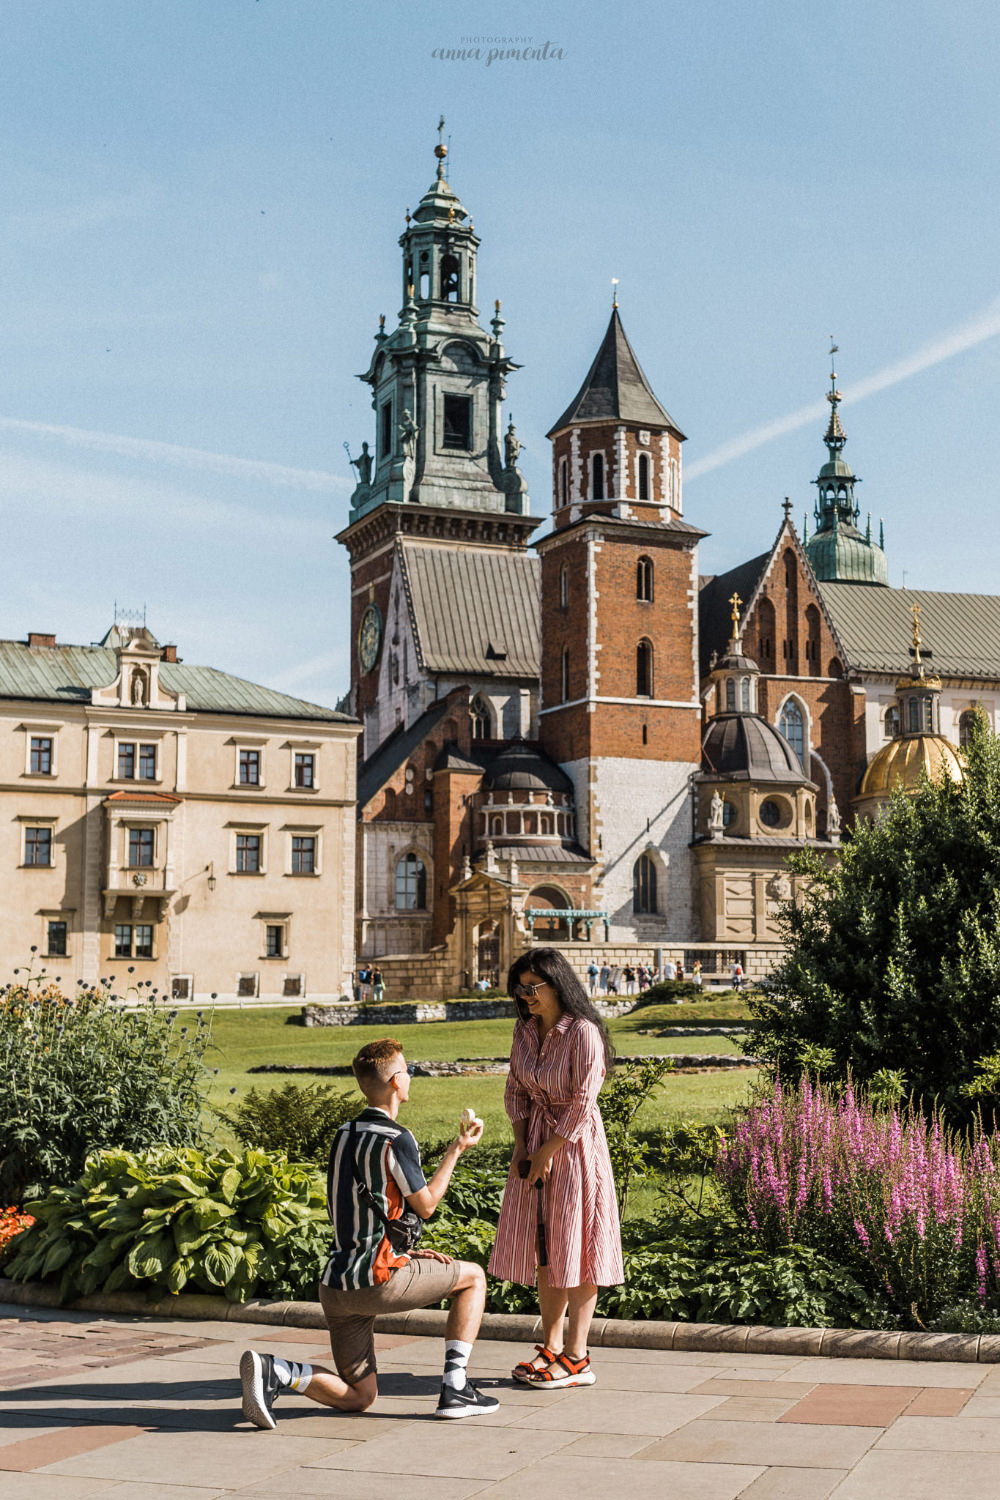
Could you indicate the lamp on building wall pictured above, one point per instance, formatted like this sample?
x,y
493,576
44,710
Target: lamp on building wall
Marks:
x,y
210,867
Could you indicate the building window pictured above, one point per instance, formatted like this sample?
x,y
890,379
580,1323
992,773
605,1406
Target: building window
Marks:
x,y
140,848
147,762
181,987
134,941
411,884
643,476
385,445
644,669
303,854
644,579
246,986
41,755
305,769
745,694
967,724
293,986
249,774
563,481
643,886
792,725
597,476
892,725
55,939
479,715
564,674
274,940
450,278
126,762
457,422
38,846
730,696
564,587
248,853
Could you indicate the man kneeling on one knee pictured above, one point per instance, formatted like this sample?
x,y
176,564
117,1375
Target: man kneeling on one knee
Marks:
x,y
374,1176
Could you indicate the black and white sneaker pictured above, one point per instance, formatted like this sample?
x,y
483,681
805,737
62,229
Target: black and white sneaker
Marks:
x,y
468,1402
260,1388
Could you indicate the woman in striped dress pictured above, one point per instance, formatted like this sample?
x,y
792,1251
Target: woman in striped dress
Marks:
x,y
559,1058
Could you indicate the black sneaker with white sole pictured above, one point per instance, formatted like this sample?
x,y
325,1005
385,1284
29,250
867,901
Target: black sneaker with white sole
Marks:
x,y
260,1388
468,1402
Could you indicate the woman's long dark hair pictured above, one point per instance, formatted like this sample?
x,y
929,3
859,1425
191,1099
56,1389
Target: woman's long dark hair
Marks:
x,y
549,964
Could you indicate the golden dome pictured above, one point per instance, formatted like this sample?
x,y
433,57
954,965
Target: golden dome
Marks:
x,y
900,764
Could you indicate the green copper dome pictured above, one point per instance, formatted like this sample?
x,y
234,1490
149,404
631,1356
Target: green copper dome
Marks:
x,y
845,555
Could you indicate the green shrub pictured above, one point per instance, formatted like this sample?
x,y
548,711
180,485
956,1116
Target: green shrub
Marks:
x,y
672,992
298,1120
246,1224
80,1073
966,1317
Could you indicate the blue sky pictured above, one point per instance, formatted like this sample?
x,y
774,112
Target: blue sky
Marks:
x,y
202,200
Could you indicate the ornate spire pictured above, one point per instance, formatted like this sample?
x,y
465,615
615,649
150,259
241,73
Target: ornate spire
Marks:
x,y
837,550
441,151
835,437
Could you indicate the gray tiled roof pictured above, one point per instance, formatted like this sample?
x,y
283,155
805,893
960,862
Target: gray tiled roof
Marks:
x,y
544,854
66,674
615,389
715,615
875,627
474,610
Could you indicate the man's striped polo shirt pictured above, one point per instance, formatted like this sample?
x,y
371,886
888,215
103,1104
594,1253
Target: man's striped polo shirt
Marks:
x,y
388,1161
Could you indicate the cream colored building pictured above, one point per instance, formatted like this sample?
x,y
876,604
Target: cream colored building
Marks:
x,y
170,823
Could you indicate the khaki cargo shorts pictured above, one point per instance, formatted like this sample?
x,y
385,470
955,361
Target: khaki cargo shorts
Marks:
x,y
351,1315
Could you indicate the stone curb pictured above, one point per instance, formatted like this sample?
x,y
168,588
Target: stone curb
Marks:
x,y
606,1333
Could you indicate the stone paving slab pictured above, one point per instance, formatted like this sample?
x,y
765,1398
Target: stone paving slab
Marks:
x,y
132,1408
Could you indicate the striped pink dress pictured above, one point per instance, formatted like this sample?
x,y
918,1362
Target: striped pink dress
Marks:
x,y
555,1087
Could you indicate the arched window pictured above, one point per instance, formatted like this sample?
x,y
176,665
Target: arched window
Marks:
x,y
644,579
564,674
564,587
765,633
892,722
643,476
813,640
479,714
644,669
411,884
449,278
745,694
967,723
792,725
496,826
643,886
563,481
730,696
597,476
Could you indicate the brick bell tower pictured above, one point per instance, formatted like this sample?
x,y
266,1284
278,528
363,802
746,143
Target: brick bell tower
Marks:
x,y
620,709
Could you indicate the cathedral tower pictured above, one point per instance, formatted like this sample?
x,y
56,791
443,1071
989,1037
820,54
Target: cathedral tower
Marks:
x,y
837,550
620,708
443,471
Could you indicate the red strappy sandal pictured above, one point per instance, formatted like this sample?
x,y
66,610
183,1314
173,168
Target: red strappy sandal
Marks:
x,y
528,1368
562,1372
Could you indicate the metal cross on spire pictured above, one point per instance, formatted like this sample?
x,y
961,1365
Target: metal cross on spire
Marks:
x,y
736,601
440,150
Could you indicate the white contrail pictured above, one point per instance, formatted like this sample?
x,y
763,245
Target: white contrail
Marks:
x,y
173,453
985,325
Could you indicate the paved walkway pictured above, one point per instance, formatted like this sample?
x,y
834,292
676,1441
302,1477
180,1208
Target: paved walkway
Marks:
x,y
144,1409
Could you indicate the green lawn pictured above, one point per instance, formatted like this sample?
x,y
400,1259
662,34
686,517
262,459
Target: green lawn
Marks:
x,y
244,1039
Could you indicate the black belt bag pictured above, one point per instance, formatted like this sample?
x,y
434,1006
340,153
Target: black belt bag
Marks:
x,y
403,1233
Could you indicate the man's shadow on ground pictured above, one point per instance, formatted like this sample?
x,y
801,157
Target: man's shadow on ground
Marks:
x,y
142,1404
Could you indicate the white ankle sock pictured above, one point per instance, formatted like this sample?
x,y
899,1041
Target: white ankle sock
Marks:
x,y
456,1357
293,1377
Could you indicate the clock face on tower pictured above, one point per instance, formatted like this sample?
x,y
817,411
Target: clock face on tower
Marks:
x,y
369,637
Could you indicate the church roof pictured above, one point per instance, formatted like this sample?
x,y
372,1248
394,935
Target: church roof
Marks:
x,y
874,626
715,613
616,390
474,610
390,755
66,674
746,747
523,767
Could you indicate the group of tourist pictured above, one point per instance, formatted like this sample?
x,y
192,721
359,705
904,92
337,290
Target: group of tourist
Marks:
x,y
635,979
370,985
558,1228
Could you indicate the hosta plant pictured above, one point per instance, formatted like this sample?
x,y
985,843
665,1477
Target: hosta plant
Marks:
x,y
241,1223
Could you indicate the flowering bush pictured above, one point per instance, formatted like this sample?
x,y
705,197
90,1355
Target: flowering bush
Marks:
x,y
83,1071
910,1207
12,1222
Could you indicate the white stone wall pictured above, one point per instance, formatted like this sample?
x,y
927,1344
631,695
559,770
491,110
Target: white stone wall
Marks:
x,y
627,795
